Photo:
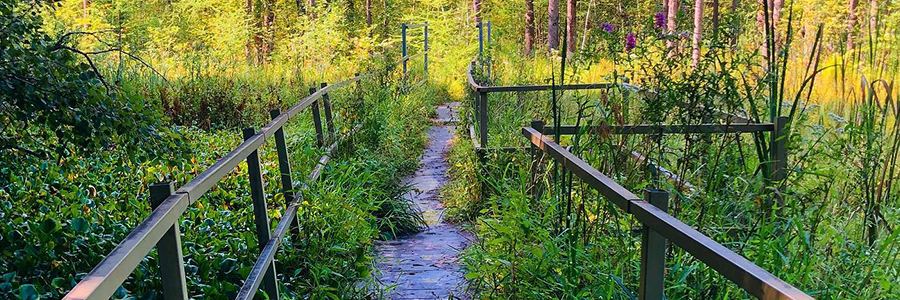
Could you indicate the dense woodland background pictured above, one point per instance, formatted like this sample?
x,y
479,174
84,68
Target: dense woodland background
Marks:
x,y
100,98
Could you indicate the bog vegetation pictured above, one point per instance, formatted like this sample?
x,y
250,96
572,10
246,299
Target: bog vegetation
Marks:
x,y
101,98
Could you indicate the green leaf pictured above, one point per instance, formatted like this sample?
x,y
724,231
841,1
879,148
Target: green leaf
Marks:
x,y
28,292
58,283
49,225
79,225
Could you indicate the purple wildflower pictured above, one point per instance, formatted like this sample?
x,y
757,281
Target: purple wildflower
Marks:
x,y
607,27
660,19
630,41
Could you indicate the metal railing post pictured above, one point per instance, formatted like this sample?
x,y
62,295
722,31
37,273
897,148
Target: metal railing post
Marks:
x,y
653,252
426,48
260,215
483,118
489,33
317,120
284,166
403,46
329,120
535,161
480,40
779,155
171,259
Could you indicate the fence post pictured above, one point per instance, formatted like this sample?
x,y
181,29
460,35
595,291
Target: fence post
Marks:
x,y
359,100
329,120
779,154
317,120
535,163
490,62
426,48
483,118
403,46
260,216
480,40
653,252
171,259
284,165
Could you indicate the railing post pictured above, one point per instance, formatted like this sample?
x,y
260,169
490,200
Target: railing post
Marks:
x,y
284,166
490,62
779,155
426,48
171,259
329,120
535,161
489,33
357,111
653,252
403,46
260,215
480,40
483,118
317,120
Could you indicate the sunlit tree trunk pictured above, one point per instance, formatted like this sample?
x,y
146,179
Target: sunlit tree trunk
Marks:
x,y
698,28
312,8
529,26
570,24
671,15
84,8
553,25
777,5
851,24
369,13
251,41
587,18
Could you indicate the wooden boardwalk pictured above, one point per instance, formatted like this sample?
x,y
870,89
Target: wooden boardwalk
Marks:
x,y
424,265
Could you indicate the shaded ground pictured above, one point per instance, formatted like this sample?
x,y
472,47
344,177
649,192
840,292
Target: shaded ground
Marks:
x,y
424,265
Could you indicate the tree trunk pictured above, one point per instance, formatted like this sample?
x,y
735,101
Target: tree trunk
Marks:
x,y
570,25
269,29
312,9
851,24
671,14
529,26
777,5
476,8
84,8
698,31
369,14
587,18
715,15
553,25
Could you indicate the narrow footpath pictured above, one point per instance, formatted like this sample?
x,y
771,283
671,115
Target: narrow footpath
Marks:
x,y
424,265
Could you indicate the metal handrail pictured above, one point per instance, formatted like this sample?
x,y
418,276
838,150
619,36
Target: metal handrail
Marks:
x,y
747,275
105,278
267,255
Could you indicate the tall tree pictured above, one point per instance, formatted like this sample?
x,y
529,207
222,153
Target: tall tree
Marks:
x,y
529,26
570,25
268,26
553,25
312,8
671,14
698,31
369,14
715,15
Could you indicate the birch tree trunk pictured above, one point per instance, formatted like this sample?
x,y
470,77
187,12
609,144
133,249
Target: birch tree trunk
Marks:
x,y
529,26
553,25
587,18
698,28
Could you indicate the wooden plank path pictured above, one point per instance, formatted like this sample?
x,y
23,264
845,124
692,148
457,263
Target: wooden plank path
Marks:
x,y
424,265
